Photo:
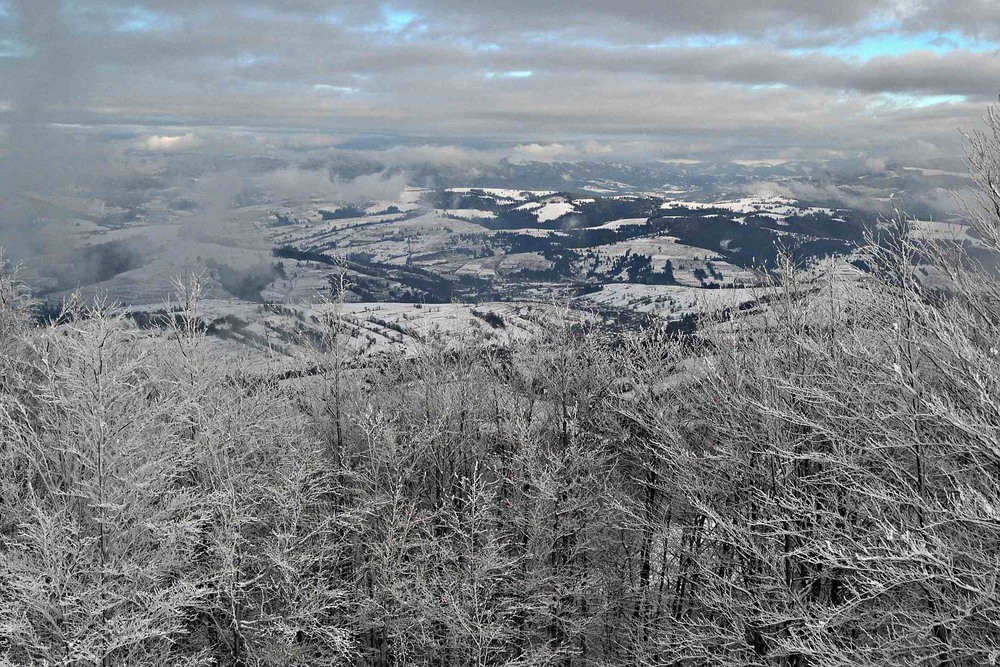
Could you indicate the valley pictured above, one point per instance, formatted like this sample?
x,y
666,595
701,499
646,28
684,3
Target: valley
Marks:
x,y
453,262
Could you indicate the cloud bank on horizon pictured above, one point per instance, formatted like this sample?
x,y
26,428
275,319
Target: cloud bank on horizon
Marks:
x,y
640,79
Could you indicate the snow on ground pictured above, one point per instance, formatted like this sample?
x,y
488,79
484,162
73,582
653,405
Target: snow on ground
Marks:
x,y
387,238
63,204
382,206
684,259
411,195
304,282
658,248
554,210
778,208
668,301
624,222
505,193
286,334
606,186
531,231
408,200
935,172
405,327
522,260
481,268
313,231
940,231
468,213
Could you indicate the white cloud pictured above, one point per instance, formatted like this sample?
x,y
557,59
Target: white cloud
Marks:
x,y
297,183
544,152
171,143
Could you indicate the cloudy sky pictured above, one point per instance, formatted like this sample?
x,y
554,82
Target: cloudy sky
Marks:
x,y
667,79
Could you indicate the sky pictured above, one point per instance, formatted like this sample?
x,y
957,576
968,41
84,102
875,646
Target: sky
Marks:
x,y
556,80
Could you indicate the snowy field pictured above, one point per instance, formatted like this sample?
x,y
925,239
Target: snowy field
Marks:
x,y
778,208
668,301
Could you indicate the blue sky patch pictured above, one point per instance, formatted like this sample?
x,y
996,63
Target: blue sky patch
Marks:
x,y
892,44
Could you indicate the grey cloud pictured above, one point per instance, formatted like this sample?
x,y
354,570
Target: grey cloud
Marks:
x,y
937,201
975,18
312,67
956,73
652,17
45,77
568,16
